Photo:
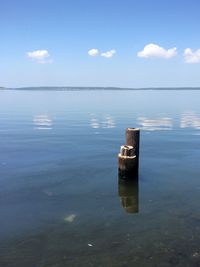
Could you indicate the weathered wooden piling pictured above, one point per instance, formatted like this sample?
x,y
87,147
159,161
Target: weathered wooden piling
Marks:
x,y
129,195
133,139
128,158
127,162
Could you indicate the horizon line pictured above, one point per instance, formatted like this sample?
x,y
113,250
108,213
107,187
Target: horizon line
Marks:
x,y
99,88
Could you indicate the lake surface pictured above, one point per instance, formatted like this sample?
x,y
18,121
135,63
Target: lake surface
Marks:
x,y
61,203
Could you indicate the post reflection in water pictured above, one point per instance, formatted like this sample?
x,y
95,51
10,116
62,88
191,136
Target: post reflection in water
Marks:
x,y
129,194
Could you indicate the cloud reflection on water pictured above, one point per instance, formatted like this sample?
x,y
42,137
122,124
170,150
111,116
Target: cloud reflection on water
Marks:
x,y
42,122
106,122
190,120
159,124
94,123
187,120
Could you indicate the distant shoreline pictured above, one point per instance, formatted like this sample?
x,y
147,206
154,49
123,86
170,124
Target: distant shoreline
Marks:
x,y
71,88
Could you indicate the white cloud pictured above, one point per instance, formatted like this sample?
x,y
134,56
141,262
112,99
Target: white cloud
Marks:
x,y
40,56
156,51
93,52
190,56
108,54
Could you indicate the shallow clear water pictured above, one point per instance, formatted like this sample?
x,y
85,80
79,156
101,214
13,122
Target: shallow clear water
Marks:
x,y
60,200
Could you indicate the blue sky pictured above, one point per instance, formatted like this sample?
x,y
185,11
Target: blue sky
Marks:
x,y
143,43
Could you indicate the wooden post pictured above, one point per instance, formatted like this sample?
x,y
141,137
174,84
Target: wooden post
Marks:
x,y
127,162
128,193
133,139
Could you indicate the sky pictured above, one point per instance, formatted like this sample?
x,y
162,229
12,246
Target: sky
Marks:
x,y
122,43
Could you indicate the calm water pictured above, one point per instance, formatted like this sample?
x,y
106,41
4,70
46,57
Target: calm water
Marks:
x,y
60,200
